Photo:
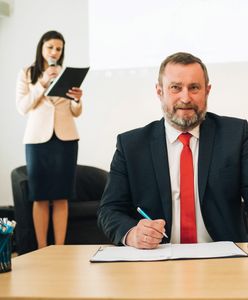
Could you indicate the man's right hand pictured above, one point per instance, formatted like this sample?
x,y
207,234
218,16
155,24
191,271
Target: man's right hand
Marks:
x,y
147,234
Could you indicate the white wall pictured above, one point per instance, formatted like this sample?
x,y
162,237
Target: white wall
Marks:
x,y
115,100
141,33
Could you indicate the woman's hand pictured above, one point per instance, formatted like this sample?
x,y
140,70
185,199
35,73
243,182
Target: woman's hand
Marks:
x,y
75,93
49,74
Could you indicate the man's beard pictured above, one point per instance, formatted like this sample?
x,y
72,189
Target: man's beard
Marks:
x,y
185,123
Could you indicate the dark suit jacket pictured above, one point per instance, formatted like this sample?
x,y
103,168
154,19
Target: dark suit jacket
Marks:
x,y
139,176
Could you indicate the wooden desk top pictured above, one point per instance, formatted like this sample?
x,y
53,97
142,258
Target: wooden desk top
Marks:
x,y
64,272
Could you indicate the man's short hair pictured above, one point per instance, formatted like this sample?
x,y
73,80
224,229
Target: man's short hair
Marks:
x,y
182,58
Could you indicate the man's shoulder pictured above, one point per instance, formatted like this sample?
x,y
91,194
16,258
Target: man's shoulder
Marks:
x,y
150,129
224,119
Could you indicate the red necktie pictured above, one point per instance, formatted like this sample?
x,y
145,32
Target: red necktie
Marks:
x,y
187,198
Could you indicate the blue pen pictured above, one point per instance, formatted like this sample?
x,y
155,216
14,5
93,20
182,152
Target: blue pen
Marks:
x,y
139,210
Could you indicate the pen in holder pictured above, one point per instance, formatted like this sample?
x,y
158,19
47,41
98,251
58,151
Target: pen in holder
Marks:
x,y
6,231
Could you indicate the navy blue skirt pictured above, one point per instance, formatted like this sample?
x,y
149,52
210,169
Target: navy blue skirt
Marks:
x,y
51,169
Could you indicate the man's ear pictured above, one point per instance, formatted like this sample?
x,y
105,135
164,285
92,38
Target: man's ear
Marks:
x,y
208,89
159,90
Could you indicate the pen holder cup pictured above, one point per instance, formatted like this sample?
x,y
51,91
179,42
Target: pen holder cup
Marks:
x,y
5,252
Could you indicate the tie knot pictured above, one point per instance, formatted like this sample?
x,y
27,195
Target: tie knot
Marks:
x,y
184,138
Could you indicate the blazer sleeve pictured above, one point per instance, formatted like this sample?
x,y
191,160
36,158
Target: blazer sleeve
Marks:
x,y
27,96
76,108
115,214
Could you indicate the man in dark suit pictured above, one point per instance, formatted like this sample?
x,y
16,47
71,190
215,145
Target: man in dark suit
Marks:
x,y
146,169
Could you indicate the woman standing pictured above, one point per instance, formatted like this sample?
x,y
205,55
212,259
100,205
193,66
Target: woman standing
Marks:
x,y
51,138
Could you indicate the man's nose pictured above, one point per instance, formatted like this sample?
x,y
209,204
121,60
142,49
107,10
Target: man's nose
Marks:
x,y
184,96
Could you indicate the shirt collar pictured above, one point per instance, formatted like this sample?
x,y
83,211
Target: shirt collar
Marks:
x,y
172,133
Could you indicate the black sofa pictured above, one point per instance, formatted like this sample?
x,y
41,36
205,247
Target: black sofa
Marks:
x,y
82,221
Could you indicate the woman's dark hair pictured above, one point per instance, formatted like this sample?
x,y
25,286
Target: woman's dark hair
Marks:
x,y
37,67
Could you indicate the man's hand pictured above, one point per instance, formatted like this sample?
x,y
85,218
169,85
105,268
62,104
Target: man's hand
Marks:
x,y
146,234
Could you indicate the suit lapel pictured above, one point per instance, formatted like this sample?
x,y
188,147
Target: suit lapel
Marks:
x,y
207,134
161,167
54,101
57,100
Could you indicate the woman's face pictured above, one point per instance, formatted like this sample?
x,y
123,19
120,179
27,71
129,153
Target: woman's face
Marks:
x,y
52,50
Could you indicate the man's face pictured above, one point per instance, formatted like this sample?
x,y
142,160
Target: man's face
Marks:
x,y
183,95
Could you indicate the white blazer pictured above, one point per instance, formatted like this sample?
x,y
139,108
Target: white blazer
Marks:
x,y
45,114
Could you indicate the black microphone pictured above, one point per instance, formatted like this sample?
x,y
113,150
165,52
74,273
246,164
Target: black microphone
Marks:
x,y
52,62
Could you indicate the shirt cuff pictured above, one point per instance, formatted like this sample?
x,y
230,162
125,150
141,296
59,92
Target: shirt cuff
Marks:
x,y
125,236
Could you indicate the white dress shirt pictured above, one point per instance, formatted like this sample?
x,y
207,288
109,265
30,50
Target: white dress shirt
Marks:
x,y
174,148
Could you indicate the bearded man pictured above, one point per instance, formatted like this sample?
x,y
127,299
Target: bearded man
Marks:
x,y
188,171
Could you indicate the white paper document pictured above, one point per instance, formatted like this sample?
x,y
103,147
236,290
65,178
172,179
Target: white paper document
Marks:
x,y
168,252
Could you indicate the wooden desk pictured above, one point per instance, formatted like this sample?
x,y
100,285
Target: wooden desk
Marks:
x,y
64,272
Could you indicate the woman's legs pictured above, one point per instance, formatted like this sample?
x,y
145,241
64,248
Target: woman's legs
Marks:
x,y
60,216
41,220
